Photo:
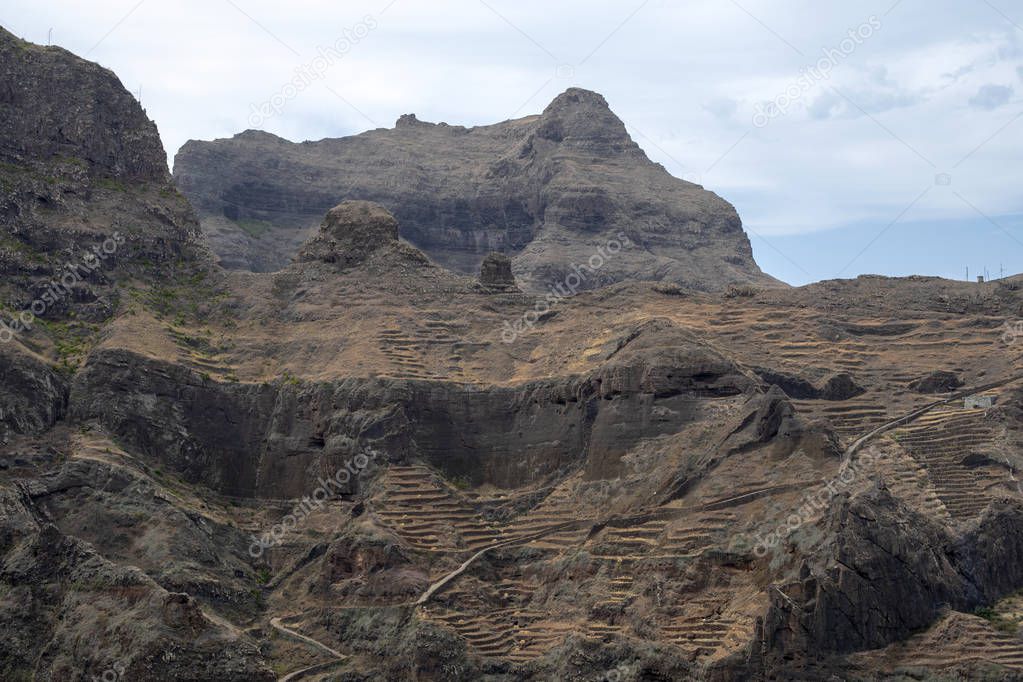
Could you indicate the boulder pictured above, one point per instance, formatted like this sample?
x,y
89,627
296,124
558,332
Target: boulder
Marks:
x,y
496,272
936,382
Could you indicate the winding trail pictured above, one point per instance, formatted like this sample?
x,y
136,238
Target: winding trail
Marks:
x,y
337,656
443,582
921,411
719,504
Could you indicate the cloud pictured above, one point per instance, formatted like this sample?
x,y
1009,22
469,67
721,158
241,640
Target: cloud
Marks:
x,y
854,103
963,70
723,108
685,78
824,106
991,97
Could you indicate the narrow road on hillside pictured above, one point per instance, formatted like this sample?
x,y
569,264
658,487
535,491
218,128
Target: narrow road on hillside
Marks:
x,y
850,451
320,647
440,584
919,412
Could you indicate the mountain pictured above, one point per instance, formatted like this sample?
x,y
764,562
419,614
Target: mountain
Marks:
x,y
90,224
367,466
86,199
550,190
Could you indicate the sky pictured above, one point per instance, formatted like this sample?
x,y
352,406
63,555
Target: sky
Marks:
x,y
877,137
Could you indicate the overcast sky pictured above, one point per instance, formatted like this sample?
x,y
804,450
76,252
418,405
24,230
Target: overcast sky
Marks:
x,y
869,137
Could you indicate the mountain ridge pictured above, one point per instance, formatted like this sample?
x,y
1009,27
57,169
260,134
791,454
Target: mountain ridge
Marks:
x,y
546,189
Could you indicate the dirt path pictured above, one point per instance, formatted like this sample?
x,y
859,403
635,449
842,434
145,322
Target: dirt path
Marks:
x,y
850,451
320,647
919,412
443,582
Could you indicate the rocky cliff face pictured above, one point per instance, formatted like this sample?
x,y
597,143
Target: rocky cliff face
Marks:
x,y
888,572
87,205
56,105
258,475
86,199
271,440
551,190
57,589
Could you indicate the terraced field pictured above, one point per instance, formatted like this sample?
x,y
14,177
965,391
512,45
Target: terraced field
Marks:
x,y
427,515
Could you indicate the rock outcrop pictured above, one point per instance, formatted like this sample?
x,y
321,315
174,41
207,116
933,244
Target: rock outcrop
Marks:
x,y
56,592
888,573
939,381
552,190
496,272
350,233
85,194
34,396
840,386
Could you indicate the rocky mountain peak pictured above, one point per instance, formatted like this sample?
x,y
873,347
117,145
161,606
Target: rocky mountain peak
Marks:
x,y
582,119
549,190
350,232
94,120
579,98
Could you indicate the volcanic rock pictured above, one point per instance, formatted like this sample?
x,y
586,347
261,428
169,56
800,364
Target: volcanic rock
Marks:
x,y
351,232
496,272
54,104
939,381
84,189
840,386
553,191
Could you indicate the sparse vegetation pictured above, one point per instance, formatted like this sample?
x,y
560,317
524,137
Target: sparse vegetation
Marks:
x,y
254,228
72,342
741,291
1003,622
112,184
669,289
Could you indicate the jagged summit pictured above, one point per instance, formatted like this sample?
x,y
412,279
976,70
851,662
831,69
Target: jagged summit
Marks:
x,y
583,119
350,232
55,104
408,120
552,190
579,98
